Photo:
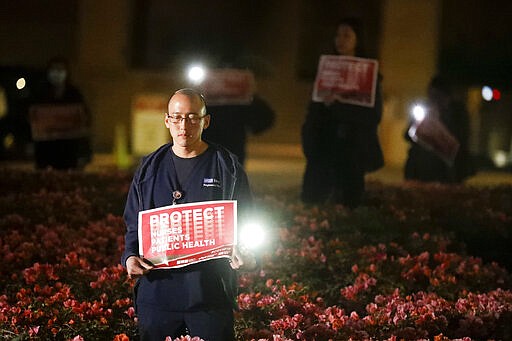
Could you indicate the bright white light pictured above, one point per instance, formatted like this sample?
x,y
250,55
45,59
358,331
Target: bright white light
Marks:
x,y
500,158
20,83
487,93
252,236
418,112
196,74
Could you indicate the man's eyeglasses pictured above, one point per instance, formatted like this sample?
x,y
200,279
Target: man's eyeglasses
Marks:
x,y
192,118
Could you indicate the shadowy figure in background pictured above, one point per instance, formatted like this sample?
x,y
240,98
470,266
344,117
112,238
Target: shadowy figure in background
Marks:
x,y
425,165
340,140
60,121
233,123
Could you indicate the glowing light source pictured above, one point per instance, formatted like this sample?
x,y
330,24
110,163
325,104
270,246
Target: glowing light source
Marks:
x,y
496,94
252,235
500,158
21,83
8,141
196,74
490,94
418,112
487,93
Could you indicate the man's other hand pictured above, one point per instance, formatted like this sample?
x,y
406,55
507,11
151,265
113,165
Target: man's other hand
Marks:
x,y
243,259
136,266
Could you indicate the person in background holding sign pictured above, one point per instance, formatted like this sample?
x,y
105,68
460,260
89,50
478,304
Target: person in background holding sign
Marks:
x,y
233,122
60,121
238,110
423,163
196,299
340,139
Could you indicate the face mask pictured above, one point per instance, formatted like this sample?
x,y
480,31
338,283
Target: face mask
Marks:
x,y
57,77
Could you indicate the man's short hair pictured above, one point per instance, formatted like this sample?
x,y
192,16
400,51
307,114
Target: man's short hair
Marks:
x,y
191,92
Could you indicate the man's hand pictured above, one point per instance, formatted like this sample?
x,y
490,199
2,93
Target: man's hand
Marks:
x,y
331,98
242,259
136,266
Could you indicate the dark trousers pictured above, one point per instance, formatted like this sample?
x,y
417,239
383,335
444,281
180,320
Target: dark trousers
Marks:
x,y
317,184
349,183
212,325
340,179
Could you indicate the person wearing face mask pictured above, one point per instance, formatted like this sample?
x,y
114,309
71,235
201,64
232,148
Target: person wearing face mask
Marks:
x,y
340,140
60,121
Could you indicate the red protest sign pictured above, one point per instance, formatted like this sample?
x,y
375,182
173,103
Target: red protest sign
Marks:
x,y
228,86
179,235
58,121
350,80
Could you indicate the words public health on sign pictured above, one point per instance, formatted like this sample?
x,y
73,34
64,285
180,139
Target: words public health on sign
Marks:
x,y
350,80
179,235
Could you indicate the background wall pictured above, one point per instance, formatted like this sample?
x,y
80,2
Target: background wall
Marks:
x,y
116,52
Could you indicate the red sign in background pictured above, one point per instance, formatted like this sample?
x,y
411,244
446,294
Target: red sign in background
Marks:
x,y
58,121
348,79
179,235
228,86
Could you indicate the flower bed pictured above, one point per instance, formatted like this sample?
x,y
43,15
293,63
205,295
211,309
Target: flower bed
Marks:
x,y
418,262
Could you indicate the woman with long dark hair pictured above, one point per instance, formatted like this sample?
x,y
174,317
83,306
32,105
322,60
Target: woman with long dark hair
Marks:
x,y
340,140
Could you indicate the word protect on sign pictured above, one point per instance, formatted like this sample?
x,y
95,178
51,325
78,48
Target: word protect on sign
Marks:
x,y
347,79
179,235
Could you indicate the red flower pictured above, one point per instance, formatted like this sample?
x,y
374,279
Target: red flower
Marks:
x,y
121,337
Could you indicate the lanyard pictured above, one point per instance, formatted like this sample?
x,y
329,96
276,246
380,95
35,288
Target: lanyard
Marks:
x,y
177,194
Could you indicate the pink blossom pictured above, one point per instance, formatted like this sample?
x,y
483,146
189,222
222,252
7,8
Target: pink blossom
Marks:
x,y
33,330
130,312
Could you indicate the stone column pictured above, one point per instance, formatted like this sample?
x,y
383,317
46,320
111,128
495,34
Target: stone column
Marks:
x,y
102,66
408,59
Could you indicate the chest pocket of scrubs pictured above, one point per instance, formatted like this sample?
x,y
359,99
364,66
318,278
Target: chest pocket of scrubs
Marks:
x,y
212,188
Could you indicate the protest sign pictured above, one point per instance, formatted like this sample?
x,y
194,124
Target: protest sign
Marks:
x,y
434,136
58,121
179,235
350,80
228,87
